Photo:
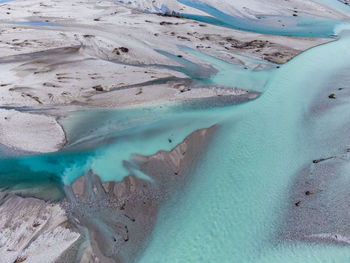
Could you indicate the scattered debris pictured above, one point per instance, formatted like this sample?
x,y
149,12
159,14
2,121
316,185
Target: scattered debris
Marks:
x,y
36,224
139,92
165,23
98,88
124,49
20,259
322,159
171,14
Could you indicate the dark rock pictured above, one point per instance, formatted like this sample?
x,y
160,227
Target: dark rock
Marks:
x,y
20,259
124,49
165,23
322,159
98,88
36,224
171,14
116,51
323,212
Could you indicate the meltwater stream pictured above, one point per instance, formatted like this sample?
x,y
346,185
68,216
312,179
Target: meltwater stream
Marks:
x,y
233,207
236,202
303,26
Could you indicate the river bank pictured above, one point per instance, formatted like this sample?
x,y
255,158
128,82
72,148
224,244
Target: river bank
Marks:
x,y
92,58
184,141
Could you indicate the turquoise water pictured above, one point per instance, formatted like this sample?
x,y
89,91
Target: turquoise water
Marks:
x,y
250,77
101,140
232,208
310,27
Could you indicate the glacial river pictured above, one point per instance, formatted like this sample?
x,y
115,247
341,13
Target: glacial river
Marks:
x,y
236,201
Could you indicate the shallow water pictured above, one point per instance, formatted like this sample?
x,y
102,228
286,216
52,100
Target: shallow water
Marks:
x,y
252,79
311,27
34,23
232,208
253,76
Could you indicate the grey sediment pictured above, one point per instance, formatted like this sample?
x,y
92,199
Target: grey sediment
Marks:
x,y
103,221
317,207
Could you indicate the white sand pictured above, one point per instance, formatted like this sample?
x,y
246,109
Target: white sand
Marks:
x,y
81,61
30,132
70,75
33,230
242,8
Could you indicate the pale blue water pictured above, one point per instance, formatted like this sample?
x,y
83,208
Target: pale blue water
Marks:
x,y
250,77
233,206
310,27
231,210
35,23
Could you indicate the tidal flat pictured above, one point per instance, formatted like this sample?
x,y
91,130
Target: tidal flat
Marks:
x,y
174,131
